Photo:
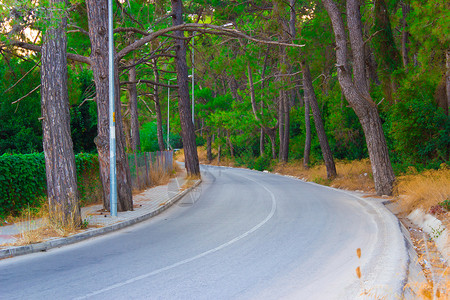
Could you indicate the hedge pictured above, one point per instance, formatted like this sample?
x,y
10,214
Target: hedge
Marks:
x,y
23,182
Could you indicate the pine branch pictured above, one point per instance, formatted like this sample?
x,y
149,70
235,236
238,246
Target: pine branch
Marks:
x,y
29,93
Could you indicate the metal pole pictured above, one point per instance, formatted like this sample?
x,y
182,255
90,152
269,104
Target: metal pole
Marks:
x,y
193,81
112,117
168,114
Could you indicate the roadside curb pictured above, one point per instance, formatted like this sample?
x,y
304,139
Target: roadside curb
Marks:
x,y
435,229
44,246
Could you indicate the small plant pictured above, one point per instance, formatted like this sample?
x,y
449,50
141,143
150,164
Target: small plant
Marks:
x,y
436,232
445,204
85,224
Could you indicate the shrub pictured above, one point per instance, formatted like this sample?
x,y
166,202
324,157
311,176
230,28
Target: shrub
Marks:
x,y
262,163
23,181
419,130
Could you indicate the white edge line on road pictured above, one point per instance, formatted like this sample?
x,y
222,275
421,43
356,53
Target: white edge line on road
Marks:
x,y
143,276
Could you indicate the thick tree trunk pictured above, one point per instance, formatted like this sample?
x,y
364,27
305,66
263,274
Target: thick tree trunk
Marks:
x,y
60,166
98,23
159,129
357,94
187,127
134,116
371,65
323,140
307,149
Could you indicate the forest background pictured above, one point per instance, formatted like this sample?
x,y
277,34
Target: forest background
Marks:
x,y
252,100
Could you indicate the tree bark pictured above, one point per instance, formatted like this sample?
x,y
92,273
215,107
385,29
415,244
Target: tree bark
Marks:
x,y
307,149
134,116
187,127
97,11
356,92
159,129
60,166
323,140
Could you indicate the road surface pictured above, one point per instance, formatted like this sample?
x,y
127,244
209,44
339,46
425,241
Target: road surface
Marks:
x,y
241,235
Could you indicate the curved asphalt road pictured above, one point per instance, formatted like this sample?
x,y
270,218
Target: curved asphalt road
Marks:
x,y
242,235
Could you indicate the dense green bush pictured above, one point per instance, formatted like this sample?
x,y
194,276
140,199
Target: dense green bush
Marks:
x,y
23,182
418,131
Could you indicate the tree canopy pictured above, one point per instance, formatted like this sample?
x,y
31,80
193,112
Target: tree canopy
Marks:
x,y
404,54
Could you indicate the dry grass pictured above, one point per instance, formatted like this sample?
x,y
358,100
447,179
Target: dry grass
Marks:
x,y
437,285
36,226
352,175
179,155
190,181
202,155
175,168
193,177
424,190
203,158
159,176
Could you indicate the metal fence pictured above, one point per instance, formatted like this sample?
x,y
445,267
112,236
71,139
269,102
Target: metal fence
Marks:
x,y
147,167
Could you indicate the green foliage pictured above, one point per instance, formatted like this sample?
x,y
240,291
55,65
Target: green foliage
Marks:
x,y
149,138
23,181
248,159
419,130
445,204
83,114
262,163
20,129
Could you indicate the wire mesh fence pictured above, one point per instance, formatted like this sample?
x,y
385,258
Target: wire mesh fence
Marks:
x,y
149,168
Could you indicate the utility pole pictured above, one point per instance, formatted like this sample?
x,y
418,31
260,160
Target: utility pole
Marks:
x,y
112,117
